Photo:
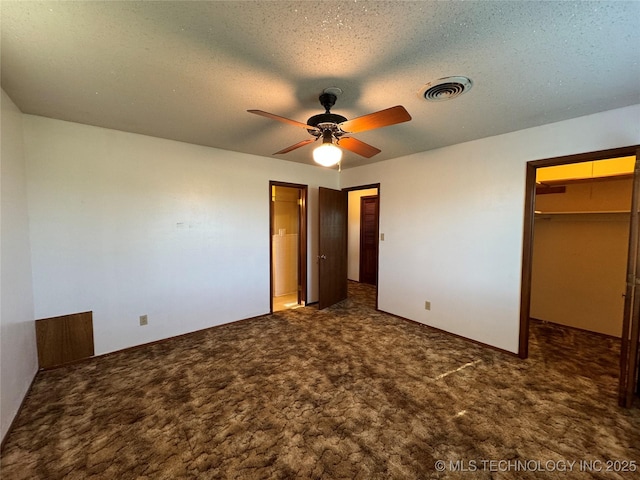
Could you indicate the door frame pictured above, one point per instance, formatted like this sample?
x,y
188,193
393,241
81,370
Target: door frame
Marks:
x,y
366,187
629,360
302,240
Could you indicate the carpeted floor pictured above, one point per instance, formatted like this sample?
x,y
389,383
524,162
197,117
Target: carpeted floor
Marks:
x,y
343,393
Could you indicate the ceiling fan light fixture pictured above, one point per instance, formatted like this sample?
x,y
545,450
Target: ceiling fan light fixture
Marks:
x,y
327,154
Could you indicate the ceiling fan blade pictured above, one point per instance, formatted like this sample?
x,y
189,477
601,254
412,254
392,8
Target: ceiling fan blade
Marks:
x,y
356,146
297,145
383,118
283,119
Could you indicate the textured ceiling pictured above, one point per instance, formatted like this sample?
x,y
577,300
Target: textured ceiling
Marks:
x,y
188,71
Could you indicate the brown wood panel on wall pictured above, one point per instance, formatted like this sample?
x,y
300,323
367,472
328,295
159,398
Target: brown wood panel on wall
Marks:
x,y
64,339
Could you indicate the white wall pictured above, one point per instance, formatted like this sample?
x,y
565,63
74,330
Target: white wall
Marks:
x,y
126,225
19,360
453,223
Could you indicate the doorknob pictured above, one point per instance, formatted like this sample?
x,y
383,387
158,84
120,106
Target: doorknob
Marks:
x,y
322,257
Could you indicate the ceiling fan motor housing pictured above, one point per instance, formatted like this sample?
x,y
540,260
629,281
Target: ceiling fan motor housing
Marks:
x,y
327,120
331,118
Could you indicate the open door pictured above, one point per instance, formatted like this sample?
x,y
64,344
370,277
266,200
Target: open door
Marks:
x,y
332,257
629,351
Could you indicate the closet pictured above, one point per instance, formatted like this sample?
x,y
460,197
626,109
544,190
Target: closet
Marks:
x,y
581,235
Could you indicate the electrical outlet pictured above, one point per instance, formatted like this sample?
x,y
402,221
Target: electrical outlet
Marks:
x,y
144,320
427,305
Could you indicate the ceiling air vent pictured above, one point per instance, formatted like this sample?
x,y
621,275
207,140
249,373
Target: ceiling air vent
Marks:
x,y
446,88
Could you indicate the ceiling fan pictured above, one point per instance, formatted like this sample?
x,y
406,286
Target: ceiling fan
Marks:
x,y
335,129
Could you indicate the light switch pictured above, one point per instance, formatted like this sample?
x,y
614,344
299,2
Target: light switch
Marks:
x,y
382,237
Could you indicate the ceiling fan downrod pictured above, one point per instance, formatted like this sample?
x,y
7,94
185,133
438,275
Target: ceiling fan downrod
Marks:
x,y
328,100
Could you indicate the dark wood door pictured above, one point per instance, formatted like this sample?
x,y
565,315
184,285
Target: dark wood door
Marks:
x,y
332,257
369,239
630,351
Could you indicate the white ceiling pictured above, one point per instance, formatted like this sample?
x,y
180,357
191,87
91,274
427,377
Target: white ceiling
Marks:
x,y
188,71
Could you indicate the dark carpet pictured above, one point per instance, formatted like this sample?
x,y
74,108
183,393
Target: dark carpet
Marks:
x,y
342,393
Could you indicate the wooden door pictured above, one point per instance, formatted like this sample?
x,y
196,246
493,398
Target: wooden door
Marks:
x,y
369,239
332,257
629,351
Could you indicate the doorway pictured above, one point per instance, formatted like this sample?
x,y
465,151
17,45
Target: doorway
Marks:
x,y
580,244
287,245
628,326
363,234
339,241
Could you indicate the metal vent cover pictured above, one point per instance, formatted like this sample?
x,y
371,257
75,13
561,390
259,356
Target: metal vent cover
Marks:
x,y
446,88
